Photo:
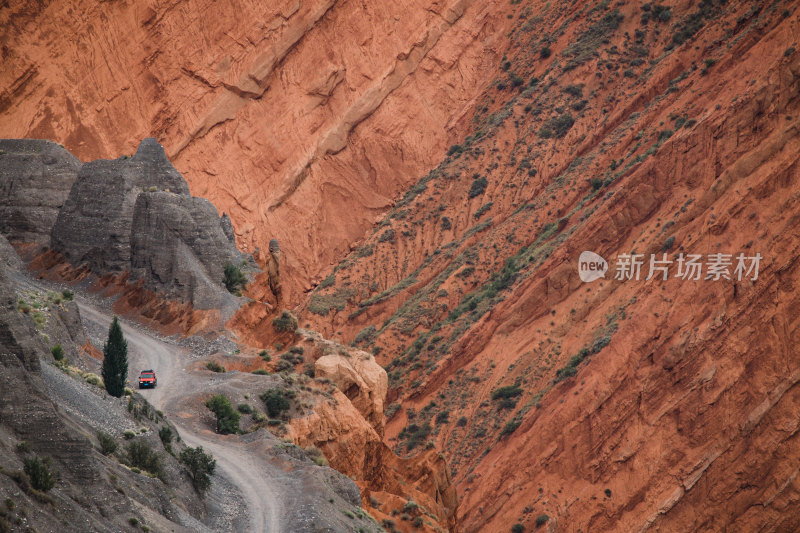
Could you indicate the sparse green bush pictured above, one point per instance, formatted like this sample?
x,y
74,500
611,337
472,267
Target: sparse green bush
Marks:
x,y
215,367
165,434
478,187
38,471
542,520
129,434
365,336
58,352
517,528
68,295
556,126
140,455
260,372
107,443
201,466
276,401
285,323
509,391
328,281
234,279
227,416
244,409
415,434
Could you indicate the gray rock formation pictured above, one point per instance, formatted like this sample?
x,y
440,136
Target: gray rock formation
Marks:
x,y
94,226
8,256
179,246
35,180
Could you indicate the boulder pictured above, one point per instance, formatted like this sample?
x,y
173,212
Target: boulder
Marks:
x,y
35,179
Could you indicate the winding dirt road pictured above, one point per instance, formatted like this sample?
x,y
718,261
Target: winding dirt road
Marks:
x,y
248,472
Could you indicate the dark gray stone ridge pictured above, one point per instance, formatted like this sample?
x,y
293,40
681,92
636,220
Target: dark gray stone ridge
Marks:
x,y
94,226
35,180
180,246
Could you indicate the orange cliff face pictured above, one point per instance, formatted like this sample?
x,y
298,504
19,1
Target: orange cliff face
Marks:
x,y
649,405
302,121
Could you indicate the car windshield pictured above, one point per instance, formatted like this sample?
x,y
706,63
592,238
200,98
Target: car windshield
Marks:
x,y
147,375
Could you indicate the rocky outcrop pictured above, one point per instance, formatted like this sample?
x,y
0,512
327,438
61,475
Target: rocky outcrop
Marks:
x,y
8,256
35,180
95,224
355,372
136,215
179,247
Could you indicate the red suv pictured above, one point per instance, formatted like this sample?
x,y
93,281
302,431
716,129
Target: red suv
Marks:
x,y
147,379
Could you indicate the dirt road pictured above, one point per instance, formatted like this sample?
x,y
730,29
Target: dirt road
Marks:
x,y
249,472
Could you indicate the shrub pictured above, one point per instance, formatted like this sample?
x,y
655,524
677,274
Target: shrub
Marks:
x,y
58,352
276,402
227,416
244,409
545,52
133,521
575,90
541,520
668,243
446,224
418,522
165,434
509,391
461,422
285,323
68,295
478,187
215,367
107,443
263,354
416,434
387,236
260,372
557,126
128,434
442,417
328,281
234,279
200,465
517,528
140,455
38,471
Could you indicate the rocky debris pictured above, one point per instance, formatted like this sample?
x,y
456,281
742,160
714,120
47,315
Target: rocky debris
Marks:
x,y
179,247
95,224
35,180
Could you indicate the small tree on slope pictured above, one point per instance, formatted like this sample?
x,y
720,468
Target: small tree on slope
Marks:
x,y
115,362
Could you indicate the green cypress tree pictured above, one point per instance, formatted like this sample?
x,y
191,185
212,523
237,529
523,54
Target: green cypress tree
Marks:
x,y
115,362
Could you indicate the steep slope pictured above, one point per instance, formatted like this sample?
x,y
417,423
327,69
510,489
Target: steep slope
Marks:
x,y
276,113
622,404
